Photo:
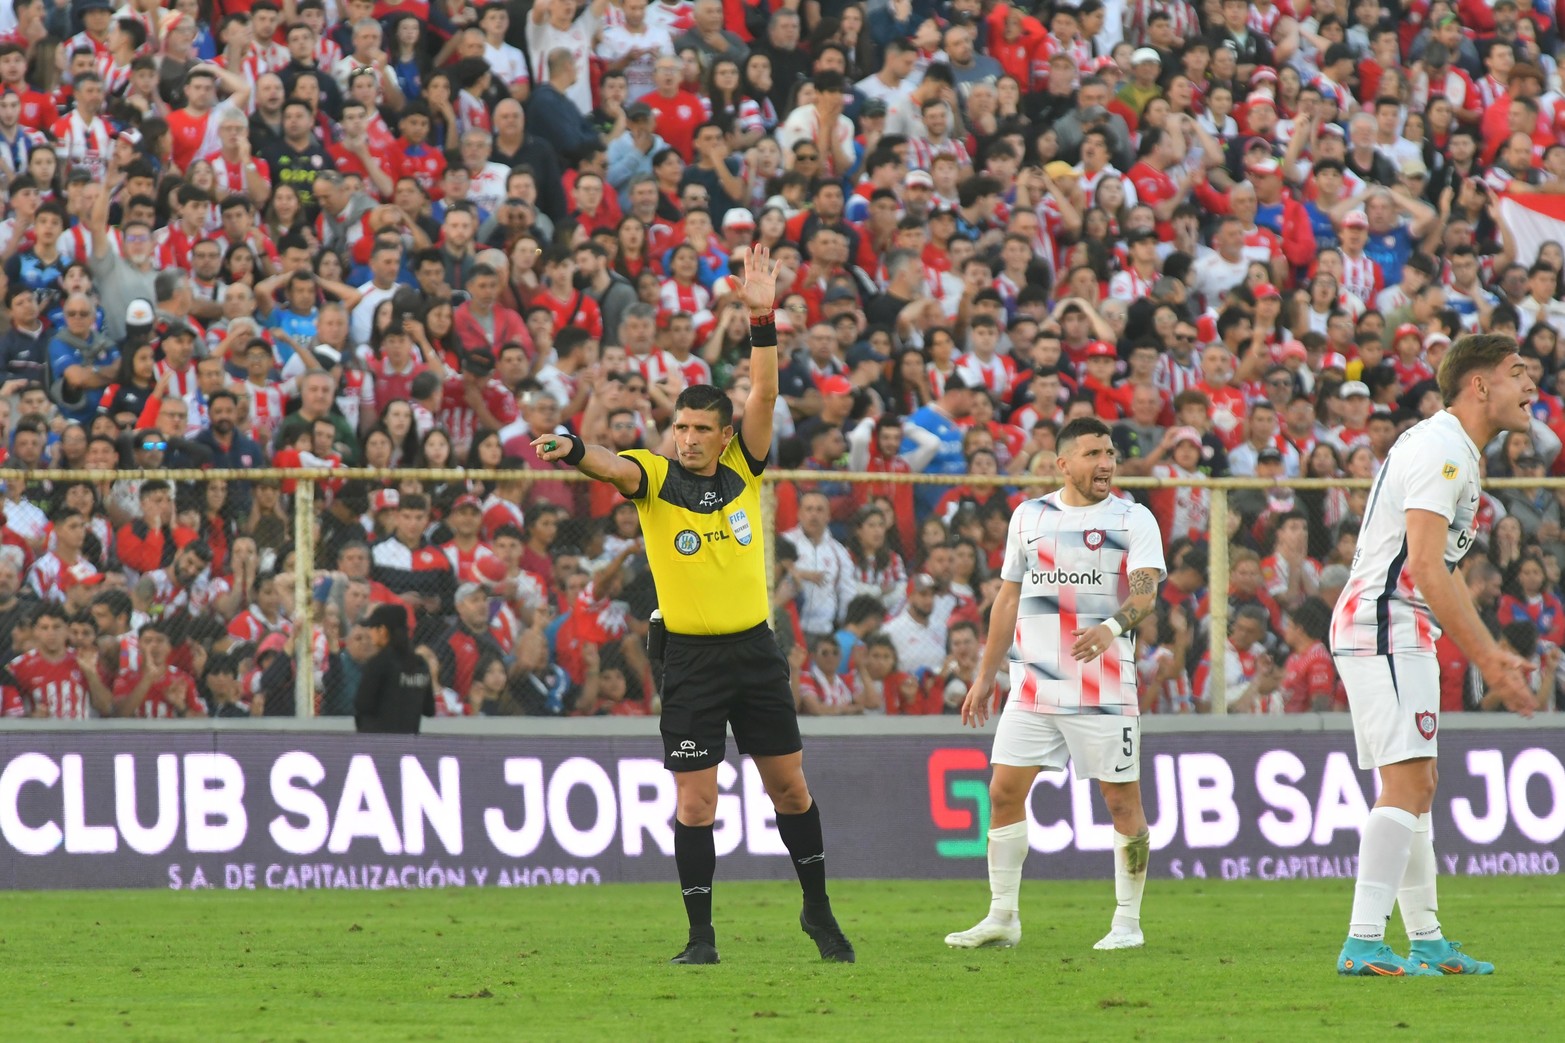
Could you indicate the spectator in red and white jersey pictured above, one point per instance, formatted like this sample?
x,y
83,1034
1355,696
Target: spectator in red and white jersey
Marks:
x,y
175,240
466,550
569,306
1182,512
157,689
55,681
70,533
264,18
84,137
819,687
483,324
188,585
39,111
984,366
475,400
1309,678
239,55
413,155
264,615
126,38
236,169
95,19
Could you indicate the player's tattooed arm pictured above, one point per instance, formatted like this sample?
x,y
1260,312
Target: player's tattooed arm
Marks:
x,y
1142,600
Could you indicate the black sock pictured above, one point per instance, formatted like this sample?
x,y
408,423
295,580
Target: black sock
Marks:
x,y
695,853
801,834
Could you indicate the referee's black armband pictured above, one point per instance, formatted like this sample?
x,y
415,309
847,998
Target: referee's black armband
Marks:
x,y
763,335
578,450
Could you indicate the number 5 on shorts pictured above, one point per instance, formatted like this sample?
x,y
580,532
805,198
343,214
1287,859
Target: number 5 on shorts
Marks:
x,y
1129,749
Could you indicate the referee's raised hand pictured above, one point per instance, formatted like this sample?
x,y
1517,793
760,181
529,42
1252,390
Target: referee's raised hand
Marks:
x,y
759,286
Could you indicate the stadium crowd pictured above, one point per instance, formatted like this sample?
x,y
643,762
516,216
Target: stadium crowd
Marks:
x,y
415,233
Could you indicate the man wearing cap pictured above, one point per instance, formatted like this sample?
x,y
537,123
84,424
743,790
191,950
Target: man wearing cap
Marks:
x,y
1354,429
1181,511
396,688
469,639
1146,66
1361,275
1280,213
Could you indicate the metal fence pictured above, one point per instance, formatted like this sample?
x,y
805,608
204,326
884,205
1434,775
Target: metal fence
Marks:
x,y
284,514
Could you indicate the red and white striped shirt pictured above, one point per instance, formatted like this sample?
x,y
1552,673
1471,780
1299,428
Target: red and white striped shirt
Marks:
x,y
85,144
327,53
266,410
270,56
998,374
250,68
921,152
59,687
44,576
231,176
654,366
116,78
1172,376
1129,286
84,39
674,298
1361,277
471,114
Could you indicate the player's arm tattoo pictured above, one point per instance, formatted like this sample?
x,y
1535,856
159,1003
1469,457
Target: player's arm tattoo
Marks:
x,y
1142,600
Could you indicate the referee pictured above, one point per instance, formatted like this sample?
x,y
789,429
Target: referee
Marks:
x,y
701,522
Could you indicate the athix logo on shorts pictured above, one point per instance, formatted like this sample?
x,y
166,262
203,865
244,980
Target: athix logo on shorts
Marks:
x,y
1093,538
1426,723
687,749
1063,578
687,542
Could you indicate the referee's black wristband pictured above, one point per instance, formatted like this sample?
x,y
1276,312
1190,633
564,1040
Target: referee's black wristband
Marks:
x,y
763,335
578,450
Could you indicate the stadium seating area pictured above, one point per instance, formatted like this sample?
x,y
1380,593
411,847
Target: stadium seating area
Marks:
x,y
412,235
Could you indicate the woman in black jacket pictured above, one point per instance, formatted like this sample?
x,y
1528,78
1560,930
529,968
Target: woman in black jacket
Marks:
x,y
397,688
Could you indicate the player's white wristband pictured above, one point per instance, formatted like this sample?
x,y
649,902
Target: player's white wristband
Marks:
x,y
1113,624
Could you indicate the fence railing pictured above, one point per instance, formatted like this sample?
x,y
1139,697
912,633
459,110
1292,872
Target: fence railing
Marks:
x,y
305,504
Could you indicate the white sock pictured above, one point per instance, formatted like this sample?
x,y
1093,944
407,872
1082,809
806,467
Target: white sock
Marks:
x,y
1420,908
1383,856
1127,885
1007,852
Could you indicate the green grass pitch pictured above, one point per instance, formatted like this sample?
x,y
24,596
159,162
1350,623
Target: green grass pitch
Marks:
x,y
1225,961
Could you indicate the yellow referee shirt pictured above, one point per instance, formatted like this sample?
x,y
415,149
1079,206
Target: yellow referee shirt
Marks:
x,y
703,540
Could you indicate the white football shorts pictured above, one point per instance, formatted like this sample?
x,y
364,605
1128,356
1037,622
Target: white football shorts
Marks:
x,y
1099,746
1395,701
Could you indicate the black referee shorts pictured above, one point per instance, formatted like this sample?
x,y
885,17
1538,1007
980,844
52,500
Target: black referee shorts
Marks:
x,y
713,681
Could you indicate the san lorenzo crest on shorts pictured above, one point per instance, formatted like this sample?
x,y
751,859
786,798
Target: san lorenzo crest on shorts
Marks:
x,y
1426,723
687,541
